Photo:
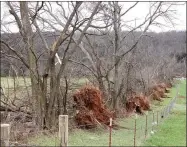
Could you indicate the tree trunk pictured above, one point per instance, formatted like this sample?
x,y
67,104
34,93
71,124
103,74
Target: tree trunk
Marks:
x,y
28,40
116,48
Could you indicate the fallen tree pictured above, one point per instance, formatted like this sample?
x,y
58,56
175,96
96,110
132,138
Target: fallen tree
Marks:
x,y
138,103
90,108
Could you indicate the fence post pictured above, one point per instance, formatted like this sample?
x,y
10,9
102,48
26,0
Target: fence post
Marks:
x,y
5,134
168,110
153,123
157,118
63,130
110,133
135,130
146,113
164,113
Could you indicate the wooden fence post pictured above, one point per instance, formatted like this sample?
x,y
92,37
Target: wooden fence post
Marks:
x,y
5,134
153,122
146,123
63,130
135,129
110,133
157,118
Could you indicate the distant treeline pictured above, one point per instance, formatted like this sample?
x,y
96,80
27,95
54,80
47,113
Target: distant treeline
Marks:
x,y
167,44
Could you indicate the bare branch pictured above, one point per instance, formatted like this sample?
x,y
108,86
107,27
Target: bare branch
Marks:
x,y
34,16
16,53
12,11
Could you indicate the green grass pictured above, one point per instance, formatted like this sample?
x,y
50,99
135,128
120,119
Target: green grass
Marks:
x,y
182,90
20,86
8,82
173,131
17,87
125,137
121,137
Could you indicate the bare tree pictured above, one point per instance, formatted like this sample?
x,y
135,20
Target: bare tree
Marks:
x,y
117,60
112,72
44,107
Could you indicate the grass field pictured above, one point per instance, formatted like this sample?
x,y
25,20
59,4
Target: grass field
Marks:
x,y
173,131
172,128
8,82
124,137
22,86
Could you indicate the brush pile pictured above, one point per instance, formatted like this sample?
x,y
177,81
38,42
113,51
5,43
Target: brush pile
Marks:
x,y
91,112
158,91
90,108
137,103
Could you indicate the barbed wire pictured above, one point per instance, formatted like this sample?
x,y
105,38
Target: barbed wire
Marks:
x,y
141,128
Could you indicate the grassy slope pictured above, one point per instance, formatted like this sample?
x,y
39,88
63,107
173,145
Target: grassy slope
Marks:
x,y
173,131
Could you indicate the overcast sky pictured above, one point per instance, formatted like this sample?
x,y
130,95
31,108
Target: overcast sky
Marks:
x,y
137,13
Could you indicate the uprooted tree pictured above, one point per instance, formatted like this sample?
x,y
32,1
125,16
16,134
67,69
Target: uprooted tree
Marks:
x,y
90,107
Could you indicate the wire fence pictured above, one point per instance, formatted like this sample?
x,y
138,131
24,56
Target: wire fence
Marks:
x,y
139,128
133,132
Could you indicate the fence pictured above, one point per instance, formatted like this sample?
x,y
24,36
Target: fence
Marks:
x,y
149,123
138,128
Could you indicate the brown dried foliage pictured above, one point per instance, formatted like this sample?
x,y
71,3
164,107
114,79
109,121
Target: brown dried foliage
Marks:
x,y
155,96
137,103
158,91
90,108
165,87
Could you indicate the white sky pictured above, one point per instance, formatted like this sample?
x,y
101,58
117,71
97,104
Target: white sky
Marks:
x,y
139,12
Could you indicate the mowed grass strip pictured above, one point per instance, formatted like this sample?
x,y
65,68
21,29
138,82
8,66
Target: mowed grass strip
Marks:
x,y
173,131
